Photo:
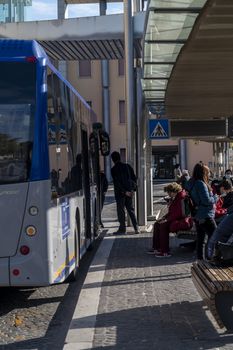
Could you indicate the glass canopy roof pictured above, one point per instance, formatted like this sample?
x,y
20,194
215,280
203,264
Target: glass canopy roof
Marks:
x,y
169,24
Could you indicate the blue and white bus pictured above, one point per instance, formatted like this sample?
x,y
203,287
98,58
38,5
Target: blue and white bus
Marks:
x,y
47,188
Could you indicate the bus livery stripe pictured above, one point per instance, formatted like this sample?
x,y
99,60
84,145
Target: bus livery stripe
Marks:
x,y
63,269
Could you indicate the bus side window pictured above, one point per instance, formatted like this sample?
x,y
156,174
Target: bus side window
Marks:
x,y
76,174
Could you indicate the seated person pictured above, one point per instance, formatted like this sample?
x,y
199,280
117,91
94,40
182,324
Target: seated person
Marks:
x,y
220,212
221,234
215,186
173,221
227,195
228,175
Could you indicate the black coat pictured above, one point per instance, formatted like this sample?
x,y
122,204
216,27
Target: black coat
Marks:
x,y
124,178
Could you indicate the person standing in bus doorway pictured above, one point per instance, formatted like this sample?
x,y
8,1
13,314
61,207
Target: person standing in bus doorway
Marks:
x,y
124,181
103,191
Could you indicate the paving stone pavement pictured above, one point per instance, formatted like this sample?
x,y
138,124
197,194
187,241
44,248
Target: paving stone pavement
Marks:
x,y
151,303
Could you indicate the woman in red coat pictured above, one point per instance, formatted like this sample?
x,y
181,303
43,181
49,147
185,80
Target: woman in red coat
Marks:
x,y
173,221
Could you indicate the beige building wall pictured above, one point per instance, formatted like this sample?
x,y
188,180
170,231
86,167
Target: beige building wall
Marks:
x,y
117,93
199,151
88,87
91,89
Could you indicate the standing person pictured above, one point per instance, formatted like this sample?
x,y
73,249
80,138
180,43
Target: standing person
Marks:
x,y
124,181
177,172
204,201
184,178
103,190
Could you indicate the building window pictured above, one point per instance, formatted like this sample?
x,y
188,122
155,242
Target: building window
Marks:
x,y
121,67
122,112
85,68
123,154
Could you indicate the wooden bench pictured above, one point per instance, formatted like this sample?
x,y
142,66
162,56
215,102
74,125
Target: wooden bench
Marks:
x,y
190,234
215,286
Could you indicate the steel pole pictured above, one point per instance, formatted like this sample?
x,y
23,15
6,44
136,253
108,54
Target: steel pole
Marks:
x,y
105,96
129,81
141,154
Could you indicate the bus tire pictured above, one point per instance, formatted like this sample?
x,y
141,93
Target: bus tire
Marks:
x,y
73,276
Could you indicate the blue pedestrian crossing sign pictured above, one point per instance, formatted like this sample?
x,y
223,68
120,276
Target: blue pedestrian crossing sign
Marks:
x,y
158,129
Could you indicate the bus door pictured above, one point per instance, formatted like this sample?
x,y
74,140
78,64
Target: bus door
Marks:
x,y
86,183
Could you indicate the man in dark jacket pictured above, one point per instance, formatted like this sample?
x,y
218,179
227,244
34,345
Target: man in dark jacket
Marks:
x,y
227,194
124,181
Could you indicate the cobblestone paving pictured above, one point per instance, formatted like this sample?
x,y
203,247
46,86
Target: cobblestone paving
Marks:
x,y
150,303
39,318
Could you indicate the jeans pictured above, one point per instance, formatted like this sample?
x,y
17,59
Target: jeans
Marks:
x,y
222,234
206,227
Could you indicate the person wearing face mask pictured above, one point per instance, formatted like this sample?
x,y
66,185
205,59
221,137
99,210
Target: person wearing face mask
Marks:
x,y
226,192
228,175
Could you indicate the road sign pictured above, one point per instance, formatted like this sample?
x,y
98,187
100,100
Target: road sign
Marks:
x,y
158,129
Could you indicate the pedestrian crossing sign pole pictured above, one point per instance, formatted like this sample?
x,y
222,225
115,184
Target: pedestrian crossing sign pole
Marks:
x,y
158,129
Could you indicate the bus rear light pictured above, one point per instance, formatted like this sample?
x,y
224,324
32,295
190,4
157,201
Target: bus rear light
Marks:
x,y
31,231
24,250
31,59
16,272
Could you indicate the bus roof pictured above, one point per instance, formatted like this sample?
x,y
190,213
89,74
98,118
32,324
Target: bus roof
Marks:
x,y
11,48
21,48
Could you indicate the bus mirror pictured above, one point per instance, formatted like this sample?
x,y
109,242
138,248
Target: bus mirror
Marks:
x,y
104,143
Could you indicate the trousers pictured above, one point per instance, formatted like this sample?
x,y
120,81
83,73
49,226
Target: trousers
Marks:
x,y
207,227
161,236
122,203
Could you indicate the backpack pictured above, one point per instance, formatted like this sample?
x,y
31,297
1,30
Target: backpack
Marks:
x,y
189,206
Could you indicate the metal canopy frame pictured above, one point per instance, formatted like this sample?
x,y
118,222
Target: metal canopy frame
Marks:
x,y
168,26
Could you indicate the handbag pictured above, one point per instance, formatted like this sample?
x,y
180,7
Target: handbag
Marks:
x,y
225,251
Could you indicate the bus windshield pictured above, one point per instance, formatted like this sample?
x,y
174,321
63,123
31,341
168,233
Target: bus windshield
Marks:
x,y
17,105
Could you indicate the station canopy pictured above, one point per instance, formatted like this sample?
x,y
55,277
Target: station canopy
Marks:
x,y
188,58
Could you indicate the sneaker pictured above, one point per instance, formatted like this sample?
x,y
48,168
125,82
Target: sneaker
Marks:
x,y
120,232
137,232
163,255
151,251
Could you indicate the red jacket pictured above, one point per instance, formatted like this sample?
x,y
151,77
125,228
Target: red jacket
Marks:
x,y
219,210
176,207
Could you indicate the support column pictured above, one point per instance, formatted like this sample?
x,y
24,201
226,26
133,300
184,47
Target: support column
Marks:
x,y
141,154
61,9
226,156
105,96
129,81
149,180
183,153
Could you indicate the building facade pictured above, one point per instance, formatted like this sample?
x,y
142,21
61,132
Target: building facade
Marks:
x,y
13,10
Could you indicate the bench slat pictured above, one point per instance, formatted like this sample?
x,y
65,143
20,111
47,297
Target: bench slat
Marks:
x,y
221,275
212,281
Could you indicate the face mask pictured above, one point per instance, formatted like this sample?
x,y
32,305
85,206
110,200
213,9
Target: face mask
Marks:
x,y
223,194
227,176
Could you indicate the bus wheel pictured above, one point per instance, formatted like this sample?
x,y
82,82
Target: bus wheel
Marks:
x,y
73,276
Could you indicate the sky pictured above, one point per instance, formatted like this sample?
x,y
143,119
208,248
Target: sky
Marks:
x,y
47,9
